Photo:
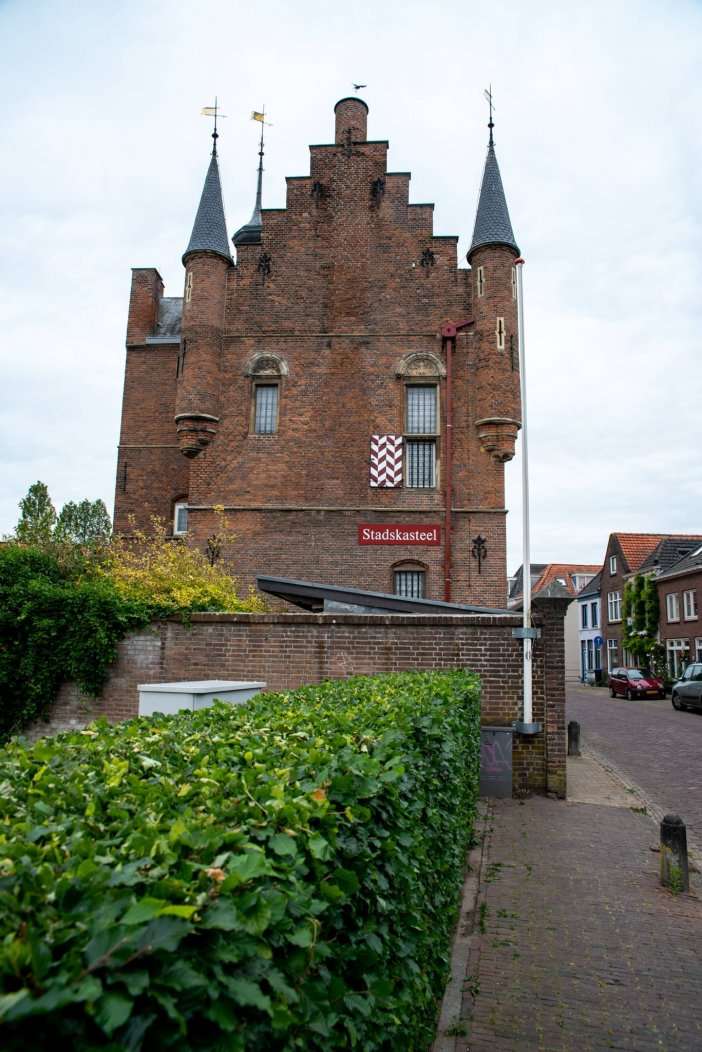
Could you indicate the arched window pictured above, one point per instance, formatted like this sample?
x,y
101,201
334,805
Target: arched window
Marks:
x,y
267,372
409,579
422,373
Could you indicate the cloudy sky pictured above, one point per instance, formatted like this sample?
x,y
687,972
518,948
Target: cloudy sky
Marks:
x,y
598,138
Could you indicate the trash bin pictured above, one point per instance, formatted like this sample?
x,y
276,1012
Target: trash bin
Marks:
x,y
496,761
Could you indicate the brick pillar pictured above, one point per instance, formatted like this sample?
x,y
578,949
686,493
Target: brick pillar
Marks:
x,y
552,613
145,296
351,121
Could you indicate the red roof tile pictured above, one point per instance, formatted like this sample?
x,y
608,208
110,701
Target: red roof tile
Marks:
x,y
564,572
636,547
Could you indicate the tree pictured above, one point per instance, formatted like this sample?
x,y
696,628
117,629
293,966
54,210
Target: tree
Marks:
x,y
640,615
38,516
85,523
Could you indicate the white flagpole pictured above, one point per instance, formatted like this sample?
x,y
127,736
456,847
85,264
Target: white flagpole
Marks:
x,y
526,726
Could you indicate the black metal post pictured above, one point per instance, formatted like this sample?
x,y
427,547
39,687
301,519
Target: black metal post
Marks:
x,y
573,738
674,870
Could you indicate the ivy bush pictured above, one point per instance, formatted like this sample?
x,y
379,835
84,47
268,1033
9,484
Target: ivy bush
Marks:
x,y
281,875
54,627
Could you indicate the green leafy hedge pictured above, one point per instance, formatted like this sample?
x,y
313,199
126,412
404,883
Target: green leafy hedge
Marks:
x,y
282,875
54,627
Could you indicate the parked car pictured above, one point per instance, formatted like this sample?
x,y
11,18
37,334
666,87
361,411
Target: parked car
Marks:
x,y
635,683
687,692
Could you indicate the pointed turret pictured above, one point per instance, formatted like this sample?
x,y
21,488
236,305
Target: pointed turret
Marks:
x,y
210,228
207,261
492,256
492,222
250,233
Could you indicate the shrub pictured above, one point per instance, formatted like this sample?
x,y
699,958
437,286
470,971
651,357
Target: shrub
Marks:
x,y
170,576
53,628
281,875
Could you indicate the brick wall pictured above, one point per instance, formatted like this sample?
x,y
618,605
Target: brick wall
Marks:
x,y
287,650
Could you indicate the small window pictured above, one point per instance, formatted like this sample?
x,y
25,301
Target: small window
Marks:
x,y
593,617
500,334
481,281
612,565
677,653
266,409
421,418
583,616
188,286
514,283
672,606
410,583
690,605
180,518
614,606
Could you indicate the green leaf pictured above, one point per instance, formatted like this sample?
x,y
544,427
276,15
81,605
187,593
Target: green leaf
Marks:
x,y
178,911
302,936
112,1011
223,916
283,844
248,866
144,910
8,1001
248,993
320,848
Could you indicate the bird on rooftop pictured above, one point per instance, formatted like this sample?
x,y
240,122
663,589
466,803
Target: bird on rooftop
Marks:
x,y
357,87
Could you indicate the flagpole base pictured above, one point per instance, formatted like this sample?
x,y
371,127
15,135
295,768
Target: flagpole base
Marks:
x,y
527,728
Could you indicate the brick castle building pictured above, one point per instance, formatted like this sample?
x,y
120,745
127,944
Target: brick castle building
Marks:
x,y
344,389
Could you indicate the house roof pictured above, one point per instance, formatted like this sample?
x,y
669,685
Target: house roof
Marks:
x,y
690,563
638,547
545,576
210,228
492,222
593,587
563,573
318,597
668,552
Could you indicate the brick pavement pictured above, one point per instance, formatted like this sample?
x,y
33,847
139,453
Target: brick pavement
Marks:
x,y
575,946
650,745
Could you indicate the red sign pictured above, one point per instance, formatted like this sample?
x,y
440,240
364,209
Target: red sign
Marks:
x,y
397,533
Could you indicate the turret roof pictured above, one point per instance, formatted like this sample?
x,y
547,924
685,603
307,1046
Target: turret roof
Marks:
x,y
492,222
210,228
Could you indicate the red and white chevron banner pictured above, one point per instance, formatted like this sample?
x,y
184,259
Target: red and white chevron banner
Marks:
x,y
386,460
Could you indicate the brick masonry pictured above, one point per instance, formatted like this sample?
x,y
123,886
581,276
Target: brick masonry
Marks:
x,y
288,650
358,283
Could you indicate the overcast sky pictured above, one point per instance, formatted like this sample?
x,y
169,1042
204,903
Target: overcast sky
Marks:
x,y
598,121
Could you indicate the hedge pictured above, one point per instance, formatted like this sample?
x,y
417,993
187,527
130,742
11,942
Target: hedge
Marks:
x,y
281,875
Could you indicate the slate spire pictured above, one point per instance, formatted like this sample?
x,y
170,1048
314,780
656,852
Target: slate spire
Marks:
x,y
210,228
250,233
492,222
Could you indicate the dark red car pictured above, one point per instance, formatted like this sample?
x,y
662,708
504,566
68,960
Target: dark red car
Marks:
x,y
635,683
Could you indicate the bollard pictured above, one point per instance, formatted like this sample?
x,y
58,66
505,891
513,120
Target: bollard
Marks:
x,y
674,871
573,738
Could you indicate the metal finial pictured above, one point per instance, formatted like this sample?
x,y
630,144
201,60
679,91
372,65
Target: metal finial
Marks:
x,y
488,95
261,117
213,111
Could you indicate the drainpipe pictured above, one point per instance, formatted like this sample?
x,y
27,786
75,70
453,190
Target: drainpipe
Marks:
x,y
527,633
448,340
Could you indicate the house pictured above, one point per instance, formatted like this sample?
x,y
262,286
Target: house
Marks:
x,y
567,579
679,596
628,554
589,615
333,380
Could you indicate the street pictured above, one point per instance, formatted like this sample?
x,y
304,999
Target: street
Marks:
x,y
650,744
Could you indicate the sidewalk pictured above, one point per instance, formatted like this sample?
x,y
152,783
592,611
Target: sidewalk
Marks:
x,y
572,945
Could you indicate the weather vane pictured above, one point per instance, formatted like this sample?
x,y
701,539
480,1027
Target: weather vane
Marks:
x,y
488,95
213,111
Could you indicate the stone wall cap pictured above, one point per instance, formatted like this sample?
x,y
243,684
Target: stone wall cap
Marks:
x,y
200,686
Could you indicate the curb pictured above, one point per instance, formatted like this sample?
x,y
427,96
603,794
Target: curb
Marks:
x,y
451,1026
